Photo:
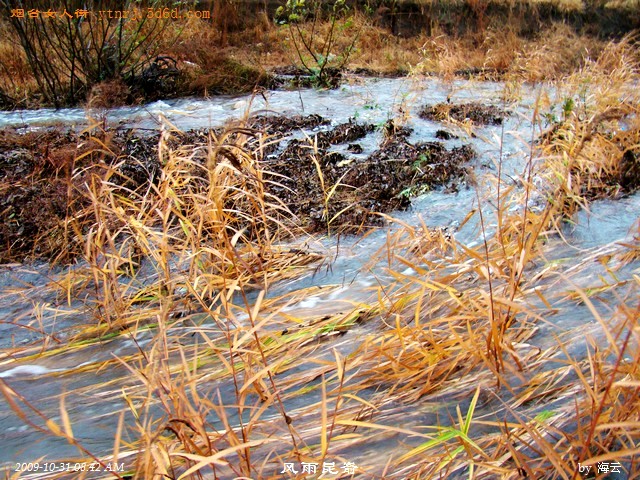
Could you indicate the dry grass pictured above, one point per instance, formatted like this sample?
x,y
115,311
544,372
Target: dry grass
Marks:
x,y
501,52
204,231
221,56
465,320
373,49
205,224
593,133
212,392
234,383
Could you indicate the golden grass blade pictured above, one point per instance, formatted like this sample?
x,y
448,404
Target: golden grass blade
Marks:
x,y
64,416
324,441
216,459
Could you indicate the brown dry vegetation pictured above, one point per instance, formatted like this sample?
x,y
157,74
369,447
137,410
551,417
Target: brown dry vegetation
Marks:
x,y
461,327
233,53
496,52
592,145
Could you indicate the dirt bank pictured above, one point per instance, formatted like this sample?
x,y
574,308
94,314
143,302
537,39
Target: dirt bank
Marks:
x,y
318,177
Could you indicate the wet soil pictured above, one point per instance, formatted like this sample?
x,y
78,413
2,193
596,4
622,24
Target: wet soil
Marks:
x,y
479,114
43,178
321,175
33,192
281,125
445,135
630,170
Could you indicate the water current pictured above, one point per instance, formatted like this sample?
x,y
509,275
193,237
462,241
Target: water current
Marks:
x,y
31,316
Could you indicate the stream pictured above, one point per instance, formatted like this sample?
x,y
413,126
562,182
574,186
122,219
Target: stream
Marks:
x,y
31,315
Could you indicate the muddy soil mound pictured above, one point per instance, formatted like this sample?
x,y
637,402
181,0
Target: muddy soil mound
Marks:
x,y
43,176
344,133
279,124
34,195
329,191
479,114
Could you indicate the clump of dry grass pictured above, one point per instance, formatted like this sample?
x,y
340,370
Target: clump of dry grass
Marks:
x,y
203,223
376,50
214,61
590,149
203,230
554,53
500,52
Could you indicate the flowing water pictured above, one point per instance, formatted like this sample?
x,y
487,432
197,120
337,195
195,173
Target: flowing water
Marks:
x,y
32,316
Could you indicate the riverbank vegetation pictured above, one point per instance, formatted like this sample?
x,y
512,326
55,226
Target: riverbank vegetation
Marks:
x,y
186,253
102,61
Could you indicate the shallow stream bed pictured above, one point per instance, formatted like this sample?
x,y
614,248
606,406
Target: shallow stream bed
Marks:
x,y
90,378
